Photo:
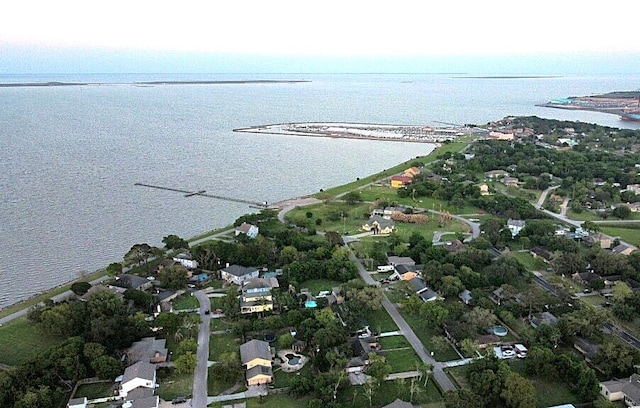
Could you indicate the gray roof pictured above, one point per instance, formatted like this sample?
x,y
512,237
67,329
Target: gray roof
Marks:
x,y
398,403
141,369
77,401
632,388
146,349
256,283
139,393
401,260
259,369
427,294
382,222
417,284
148,402
254,349
515,223
128,281
237,270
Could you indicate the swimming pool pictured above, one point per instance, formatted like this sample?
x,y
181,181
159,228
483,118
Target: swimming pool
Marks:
x,y
293,359
310,304
499,331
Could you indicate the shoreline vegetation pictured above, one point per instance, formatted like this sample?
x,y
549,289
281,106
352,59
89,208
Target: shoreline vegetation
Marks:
x,y
323,194
150,83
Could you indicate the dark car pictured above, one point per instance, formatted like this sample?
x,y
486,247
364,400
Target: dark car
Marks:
x,y
179,400
207,311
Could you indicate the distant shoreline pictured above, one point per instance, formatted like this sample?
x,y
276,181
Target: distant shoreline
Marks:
x,y
150,83
512,77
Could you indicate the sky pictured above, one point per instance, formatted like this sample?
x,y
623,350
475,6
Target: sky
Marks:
x,y
44,36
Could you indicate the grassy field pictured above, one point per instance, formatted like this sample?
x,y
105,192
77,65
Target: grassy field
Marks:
x,y
96,390
379,321
186,302
317,285
175,385
21,340
630,235
529,262
425,334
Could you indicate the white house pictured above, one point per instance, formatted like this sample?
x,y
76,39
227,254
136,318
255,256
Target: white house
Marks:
x,y
77,403
627,389
238,274
515,226
247,229
186,260
141,374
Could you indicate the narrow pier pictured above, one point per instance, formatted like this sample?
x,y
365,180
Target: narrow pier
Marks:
x,y
203,193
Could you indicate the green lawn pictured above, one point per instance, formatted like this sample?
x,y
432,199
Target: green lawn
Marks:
x,y
630,235
528,261
21,340
379,321
549,391
186,302
175,385
222,343
388,392
425,334
275,401
402,359
317,285
97,390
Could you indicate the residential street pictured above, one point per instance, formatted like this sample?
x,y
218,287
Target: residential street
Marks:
x,y
438,373
199,396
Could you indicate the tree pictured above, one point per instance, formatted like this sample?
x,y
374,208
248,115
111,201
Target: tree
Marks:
x,y
378,367
352,198
518,392
470,347
80,288
173,277
435,313
621,292
106,367
367,298
188,345
140,299
114,269
186,363
480,318
451,286
622,211
334,239
614,359
590,226
137,255
174,242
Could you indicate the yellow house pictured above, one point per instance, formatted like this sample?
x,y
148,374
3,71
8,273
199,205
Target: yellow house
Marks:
x,y
412,171
398,181
484,189
256,296
256,360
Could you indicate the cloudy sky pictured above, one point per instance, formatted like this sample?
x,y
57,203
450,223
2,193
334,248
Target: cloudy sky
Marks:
x,y
313,36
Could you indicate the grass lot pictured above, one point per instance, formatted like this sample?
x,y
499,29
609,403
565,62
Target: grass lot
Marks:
x,y
387,393
331,215
317,285
529,262
186,302
582,216
284,379
565,283
594,299
630,235
402,359
97,390
175,385
222,343
379,321
425,334
21,340
372,193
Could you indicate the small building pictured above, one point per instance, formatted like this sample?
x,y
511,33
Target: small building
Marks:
x,y
484,189
586,278
185,259
543,318
465,296
423,291
515,226
400,260
623,249
398,403
77,403
604,241
586,348
539,252
494,174
138,375
510,181
250,230
238,274
379,225
256,357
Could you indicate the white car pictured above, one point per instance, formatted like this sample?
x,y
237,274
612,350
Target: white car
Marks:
x,y
506,353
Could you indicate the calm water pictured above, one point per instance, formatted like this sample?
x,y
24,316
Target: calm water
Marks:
x,y
69,156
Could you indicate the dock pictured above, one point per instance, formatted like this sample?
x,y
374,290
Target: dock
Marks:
x,y
203,193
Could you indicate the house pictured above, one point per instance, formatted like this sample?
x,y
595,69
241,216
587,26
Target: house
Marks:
x,y
623,249
185,259
488,340
256,360
634,207
400,260
586,278
484,189
604,241
495,135
494,174
465,296
256,296
398,403
141,398
238,274
399,181
543,318
626,389
379,225
250,230
412,171
542,253
148,349
510,181
361,347
454,246
126,281
515,226
586,348
77,403
423,291
138,375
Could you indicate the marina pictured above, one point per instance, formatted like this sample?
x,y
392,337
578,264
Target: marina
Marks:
x,y
364,131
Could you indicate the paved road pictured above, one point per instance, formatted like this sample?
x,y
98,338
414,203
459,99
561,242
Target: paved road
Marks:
x,y
543,196
438,373
199,396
